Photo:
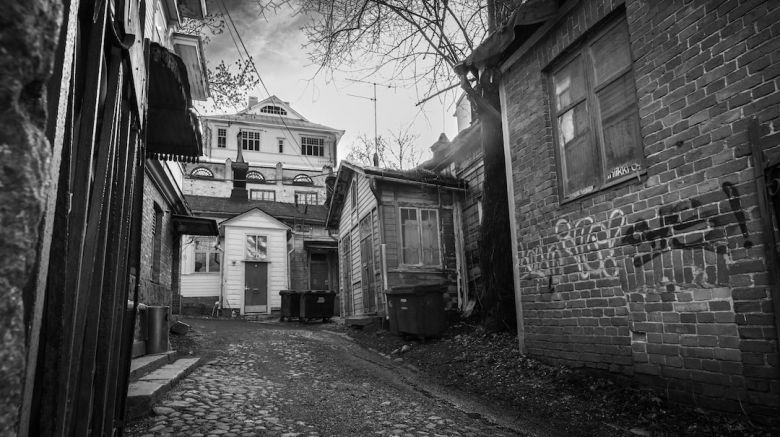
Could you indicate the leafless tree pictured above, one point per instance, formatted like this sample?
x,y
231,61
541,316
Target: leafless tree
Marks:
x,y
397,152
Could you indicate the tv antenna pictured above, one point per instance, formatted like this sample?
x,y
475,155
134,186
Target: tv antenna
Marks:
x,y
375,160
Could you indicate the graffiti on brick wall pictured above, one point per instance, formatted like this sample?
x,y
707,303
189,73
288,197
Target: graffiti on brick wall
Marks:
x,y
685,243
587,243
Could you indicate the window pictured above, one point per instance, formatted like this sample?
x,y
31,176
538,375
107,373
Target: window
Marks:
x,y
270,109
420,237
313,146
221,138
303,179
202,172
256,247
157,237
306,197
596,117
250,140
262,195
255,177
207,256
281,145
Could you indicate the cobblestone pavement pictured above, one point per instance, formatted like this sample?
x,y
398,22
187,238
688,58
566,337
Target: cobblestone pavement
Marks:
x,y
276,381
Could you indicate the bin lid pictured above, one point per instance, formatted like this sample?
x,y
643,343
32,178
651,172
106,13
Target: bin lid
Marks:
x,y
438,287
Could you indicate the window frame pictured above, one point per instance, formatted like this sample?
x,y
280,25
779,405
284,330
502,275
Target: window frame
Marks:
x,y
418,210
254,180
306,147
302,179
208,253
221,137
273,192
201,169
583,49
281,144
246,141
274,110
306,194
246,248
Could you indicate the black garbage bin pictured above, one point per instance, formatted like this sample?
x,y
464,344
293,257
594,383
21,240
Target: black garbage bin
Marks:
x,y
291,304
417,309
316,305
157,325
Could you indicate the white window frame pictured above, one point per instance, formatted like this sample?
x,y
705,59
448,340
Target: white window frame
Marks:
x,y
253,192
250,140
210,249
222,137
304,195
258,238
312,146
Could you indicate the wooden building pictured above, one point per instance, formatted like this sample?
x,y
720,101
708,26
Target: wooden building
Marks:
x,y
395,228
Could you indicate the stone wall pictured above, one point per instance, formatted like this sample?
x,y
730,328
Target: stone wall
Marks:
x,y
661,276
28,38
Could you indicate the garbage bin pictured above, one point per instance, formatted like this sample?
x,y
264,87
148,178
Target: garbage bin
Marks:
x,y
291,304
417,309
316,305
157,329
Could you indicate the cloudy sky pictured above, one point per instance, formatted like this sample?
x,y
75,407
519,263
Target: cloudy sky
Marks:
x,y
275,42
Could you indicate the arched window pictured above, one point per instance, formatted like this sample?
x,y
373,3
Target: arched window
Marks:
x,y
202,172
255,177
270,109
302,179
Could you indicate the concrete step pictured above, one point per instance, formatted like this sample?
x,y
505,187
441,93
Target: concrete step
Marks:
x,y
143,365
149,389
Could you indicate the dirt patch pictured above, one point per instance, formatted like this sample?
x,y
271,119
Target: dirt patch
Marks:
x,y
489,366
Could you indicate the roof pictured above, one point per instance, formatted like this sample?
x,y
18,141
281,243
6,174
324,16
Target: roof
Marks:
x,y
274,120
413,177
467,140
227,207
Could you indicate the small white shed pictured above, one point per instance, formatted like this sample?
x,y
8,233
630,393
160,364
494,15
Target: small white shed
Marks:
x,y
255,262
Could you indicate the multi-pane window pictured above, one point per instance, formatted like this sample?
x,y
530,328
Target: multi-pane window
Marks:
x,y
303,179
270,109
256,247
420,237
207,256
262,195
281,145
221,138
595,110
306,197
313,146
202,172
255,177
250,140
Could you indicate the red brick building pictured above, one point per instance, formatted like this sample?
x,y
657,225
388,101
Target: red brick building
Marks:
x,y
641,241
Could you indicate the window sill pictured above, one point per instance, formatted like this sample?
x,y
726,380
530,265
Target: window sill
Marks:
x,y
624,180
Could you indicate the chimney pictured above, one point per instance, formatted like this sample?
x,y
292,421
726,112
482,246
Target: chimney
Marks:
x,y
240,169
438,148
252,101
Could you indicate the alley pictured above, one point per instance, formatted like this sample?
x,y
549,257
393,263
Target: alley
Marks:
x,y
286,380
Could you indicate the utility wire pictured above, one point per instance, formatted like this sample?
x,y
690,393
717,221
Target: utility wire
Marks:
x,y
262,82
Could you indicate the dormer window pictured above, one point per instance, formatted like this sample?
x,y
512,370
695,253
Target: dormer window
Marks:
x,y
202,172
255,177
270,109
302,179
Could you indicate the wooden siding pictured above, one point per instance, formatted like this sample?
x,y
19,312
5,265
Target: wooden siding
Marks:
x,y
200,284
236,230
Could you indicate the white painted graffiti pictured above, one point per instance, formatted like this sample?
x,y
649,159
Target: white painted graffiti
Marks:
x,y
586,244
623,170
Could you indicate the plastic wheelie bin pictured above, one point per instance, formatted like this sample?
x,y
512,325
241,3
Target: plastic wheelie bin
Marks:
x,y
417,309
291,304
316,305
157,329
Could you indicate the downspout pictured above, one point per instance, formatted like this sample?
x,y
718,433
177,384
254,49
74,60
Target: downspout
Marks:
x,y
374,185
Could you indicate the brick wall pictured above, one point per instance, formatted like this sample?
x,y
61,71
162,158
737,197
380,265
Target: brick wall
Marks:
x,y
661,277
156,291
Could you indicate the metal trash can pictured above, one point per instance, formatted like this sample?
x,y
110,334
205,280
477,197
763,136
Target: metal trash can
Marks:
x,y
291,304
316,305
417,309
157,329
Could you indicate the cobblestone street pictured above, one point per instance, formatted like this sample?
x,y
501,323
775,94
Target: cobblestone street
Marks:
x,y
281,380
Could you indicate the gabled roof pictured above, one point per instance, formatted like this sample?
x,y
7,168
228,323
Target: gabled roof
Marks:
x,y
273,101
275,120
416,176
227,207
255,211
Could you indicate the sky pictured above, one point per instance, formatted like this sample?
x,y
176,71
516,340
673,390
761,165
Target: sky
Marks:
x,y
275,43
